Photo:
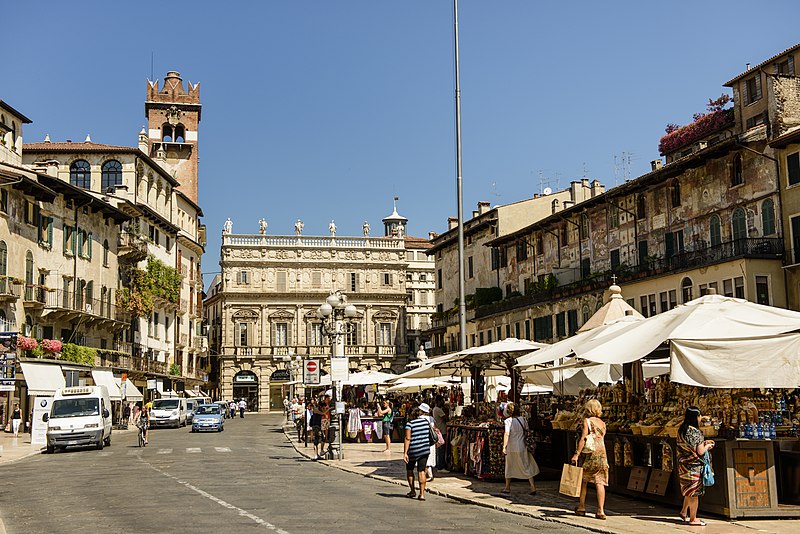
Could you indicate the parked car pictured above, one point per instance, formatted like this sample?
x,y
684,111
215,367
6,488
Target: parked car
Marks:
x,y
191,405
208,417
223,406
168,412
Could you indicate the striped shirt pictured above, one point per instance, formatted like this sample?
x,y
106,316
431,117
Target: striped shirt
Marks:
x,y
420,444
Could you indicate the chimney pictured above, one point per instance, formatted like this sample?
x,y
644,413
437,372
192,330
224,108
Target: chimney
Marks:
x,y
747,67
568,203
483,207
432,236
452,222
474,213
656,164
585,182
574,190
597,188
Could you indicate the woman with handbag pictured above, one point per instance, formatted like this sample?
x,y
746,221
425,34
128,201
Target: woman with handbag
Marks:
x,y
593,451
519,462
691,448
416,449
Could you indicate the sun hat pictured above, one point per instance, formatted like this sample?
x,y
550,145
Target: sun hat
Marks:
x,y
424,407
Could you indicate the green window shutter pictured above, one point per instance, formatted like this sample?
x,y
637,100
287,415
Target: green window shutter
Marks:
x,y
74,239
89,239
64,230
50,231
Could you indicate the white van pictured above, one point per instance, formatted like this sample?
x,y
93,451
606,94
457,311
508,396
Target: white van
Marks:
x,y
168,412
79,415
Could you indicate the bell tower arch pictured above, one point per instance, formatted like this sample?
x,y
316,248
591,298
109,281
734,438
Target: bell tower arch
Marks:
x,y
173,118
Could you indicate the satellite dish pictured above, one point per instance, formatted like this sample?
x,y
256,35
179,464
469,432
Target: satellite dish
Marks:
x,y
547,191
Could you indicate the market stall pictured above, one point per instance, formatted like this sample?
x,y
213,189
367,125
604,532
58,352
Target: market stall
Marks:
x,y
739,362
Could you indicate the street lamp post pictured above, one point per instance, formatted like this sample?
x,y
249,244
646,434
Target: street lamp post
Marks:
x,y
337,318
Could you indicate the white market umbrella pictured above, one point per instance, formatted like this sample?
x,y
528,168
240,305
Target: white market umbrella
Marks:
x,y
568,347
363,378
711,317
570,378
415,385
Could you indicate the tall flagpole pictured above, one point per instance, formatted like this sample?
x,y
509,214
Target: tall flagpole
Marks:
x,y
462,306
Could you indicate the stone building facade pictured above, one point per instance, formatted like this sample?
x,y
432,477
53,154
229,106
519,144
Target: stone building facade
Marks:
x,y
84,213
262,309
711,218
480,270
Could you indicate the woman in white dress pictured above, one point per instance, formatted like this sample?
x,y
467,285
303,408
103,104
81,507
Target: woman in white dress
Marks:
x,y
519,462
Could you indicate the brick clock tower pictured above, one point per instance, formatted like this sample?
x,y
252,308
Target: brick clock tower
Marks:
x,y
173,117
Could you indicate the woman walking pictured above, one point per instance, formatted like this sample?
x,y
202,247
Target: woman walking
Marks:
x,y
519,462
16,420
595,464
416,449
691,449
386,414
431,463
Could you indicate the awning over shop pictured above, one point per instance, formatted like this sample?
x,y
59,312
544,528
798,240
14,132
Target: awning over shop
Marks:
x,y
42,379
190,393
105,378
129,391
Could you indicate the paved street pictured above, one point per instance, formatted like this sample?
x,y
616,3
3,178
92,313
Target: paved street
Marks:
x,y
247,478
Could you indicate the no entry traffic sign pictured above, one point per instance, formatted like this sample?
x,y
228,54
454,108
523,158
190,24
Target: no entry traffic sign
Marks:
x,y
311,371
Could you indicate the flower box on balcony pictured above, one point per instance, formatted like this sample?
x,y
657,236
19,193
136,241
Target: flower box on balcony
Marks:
x,y
702,127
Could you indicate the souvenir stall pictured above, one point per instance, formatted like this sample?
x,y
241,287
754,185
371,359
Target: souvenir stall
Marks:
x,y
738,362
474,437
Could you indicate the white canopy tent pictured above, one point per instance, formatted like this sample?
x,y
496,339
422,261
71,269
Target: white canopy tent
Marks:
x,y
570,378
767,362
711,317
41,379
128,390
104,377
361,378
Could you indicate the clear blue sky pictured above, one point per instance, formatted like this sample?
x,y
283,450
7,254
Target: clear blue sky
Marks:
x,y
326,109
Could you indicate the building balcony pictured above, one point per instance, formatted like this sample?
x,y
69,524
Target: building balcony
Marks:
x,y
269,351
768,248
131,247
181,340
8,325
10,289
68,306
200,343
35,296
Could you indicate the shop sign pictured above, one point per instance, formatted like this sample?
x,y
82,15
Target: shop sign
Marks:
x,y
245,378
311,371
281,375
151,383
41,406
8,363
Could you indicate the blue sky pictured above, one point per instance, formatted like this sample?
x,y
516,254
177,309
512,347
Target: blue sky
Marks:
x,y
325,110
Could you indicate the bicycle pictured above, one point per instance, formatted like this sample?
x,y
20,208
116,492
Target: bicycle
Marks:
x,y
142,427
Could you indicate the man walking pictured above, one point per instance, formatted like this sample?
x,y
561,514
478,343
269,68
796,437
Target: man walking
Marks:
x,y
242,406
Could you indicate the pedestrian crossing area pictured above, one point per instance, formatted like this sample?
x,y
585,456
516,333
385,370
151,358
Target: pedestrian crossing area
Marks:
x,y
165,451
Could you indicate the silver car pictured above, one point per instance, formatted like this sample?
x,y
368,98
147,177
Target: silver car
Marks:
x,y
208,417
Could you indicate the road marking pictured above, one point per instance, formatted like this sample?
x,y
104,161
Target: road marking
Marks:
x,y
222,449
193,449
104,453
164,451
243,513
134,453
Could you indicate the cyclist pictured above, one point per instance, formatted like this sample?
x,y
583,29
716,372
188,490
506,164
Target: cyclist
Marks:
x,y
144,420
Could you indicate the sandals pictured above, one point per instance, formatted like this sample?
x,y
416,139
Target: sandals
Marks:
x,y
698,524
684,518
580,513
421,498
411,494
600,516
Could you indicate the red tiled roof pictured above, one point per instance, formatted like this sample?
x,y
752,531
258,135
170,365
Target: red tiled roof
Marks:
x,y
417,242
75,147
754,69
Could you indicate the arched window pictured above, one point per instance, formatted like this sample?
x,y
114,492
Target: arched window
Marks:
x,y
739,224
768,217
166,133
554,205
586,313
584,226
180,134
737,178
80,174
686,289
716,230
641,207
28,325
675,193
111,175
13,135
105,253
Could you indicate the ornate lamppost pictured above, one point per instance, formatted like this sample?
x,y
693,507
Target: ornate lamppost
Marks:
x,y
338,320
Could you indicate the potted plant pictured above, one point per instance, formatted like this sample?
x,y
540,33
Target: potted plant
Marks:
x,y
28,344
51,346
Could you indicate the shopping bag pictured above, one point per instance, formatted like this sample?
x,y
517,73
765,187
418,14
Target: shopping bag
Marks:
x,y
708,471
571,480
